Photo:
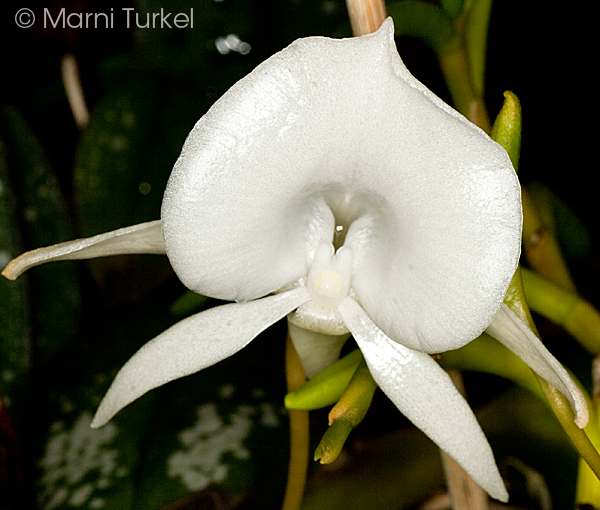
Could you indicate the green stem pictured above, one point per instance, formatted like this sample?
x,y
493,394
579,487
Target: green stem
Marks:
x,y
585,445
347,413
456,70
299,434
564,308
327,387
541,248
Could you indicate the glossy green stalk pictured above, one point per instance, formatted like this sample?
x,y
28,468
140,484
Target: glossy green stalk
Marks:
x,y
564,308
457,73
475,34
327,387
585,444
347,414
436,27
487,355
299,434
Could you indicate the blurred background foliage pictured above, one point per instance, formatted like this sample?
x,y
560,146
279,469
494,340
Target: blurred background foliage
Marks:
x,y
218,439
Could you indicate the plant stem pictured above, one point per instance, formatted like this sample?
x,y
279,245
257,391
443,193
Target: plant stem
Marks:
x,y
565,308
455,67
299,434
74,91
366,16
541,248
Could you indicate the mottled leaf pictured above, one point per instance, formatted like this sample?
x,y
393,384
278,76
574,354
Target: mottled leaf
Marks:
x,y
15,342
117,183
55,295
223,429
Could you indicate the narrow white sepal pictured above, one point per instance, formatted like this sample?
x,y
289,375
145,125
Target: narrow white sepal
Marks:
x,y
193,344
141,238
316,350
425,394
510,331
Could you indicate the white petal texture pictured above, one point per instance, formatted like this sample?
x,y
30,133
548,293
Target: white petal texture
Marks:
x,y
333,133
425,394
509,330
193,344
141,238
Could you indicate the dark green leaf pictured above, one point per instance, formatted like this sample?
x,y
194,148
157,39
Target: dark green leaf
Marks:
x,y
572,235
476,32
55,292
425,21
117,182
210,431
452,7
15,343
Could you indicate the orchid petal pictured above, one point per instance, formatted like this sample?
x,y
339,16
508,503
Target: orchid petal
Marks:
x,y
509,330
338,133
316,350
141,238
425,394
193,344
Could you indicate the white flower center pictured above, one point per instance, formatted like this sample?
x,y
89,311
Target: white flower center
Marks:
x,y
329,277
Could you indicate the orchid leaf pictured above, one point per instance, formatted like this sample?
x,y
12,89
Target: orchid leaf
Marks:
x,y
55,296
205,437
15,341
223,437
77,464
81,466
218,438
572,234
120,137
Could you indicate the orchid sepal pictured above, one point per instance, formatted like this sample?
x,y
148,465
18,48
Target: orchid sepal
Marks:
x,y
514,334
140,238
426,395
181,350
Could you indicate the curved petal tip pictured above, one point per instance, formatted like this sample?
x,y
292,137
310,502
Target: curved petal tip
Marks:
x,y
510,331
141,238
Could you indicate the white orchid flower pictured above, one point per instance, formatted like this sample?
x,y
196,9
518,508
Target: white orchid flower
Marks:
x,y
331,186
